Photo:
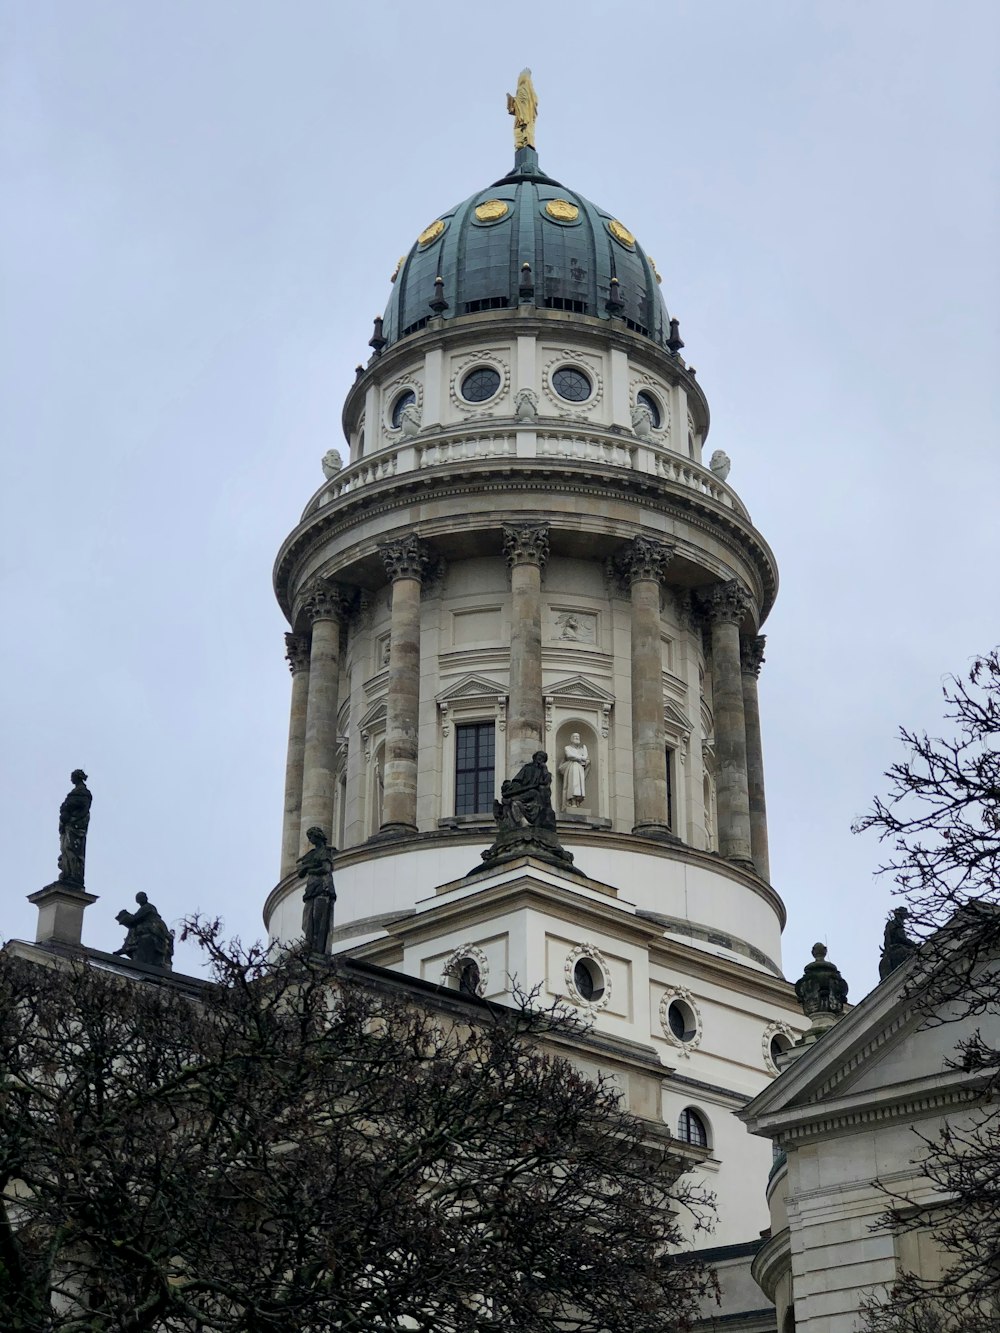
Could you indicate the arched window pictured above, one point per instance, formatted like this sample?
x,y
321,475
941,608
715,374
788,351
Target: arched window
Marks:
x,y
405,400
692,1129
647,401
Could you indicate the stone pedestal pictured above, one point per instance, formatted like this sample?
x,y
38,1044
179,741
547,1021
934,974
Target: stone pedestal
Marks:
x,y
324,605
642,565
405,563
297,652
60,913
526,547
751,659
725,606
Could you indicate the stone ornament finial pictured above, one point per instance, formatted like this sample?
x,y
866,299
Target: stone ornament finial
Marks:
x,y
726,603
297,652
643,558
897,946
822,993
324,601
406,558
409,420
526,404
332,463
752,655
719,464
642,421
74,820
526,544
148,940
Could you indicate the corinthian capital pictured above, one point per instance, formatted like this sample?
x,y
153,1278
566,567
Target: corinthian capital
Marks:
x,y
643,558
324,601
726,603
406,558
752,654
296,652
526,544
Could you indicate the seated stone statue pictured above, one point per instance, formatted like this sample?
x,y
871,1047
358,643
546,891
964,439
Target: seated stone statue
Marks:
x,y
149,939
526,799
896,944
316,867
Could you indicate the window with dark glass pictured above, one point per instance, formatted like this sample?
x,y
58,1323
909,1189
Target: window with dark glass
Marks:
x,y
647,401
779,1045
469,978
588,980
691,1128
670,788
480,384
571,384
681,1021
474,768
402,402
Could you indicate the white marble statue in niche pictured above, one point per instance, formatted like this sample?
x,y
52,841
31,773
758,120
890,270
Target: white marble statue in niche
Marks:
x,y
573,771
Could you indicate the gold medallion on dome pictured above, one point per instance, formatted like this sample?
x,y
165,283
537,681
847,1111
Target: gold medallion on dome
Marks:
x,y
562,210
621,234
431,233
492,210
652,265
399,264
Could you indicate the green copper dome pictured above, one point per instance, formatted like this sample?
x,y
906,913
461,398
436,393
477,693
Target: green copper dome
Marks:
x,y
578,257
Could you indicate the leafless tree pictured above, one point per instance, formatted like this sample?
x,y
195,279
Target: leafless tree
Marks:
x,y
942,820
303,1146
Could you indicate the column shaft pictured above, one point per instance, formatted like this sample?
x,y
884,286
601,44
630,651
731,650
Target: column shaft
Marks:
x,y
320,758
399,808
526,548
752,659
298,660
726,606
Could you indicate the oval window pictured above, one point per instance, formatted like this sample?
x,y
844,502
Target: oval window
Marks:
x,y
404,400
469,978
572,384
588,980
647,401
681,1021
480,384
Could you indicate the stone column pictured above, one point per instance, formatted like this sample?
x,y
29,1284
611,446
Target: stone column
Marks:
x,y
751,660
297,653
725,606
324,607
405,561
642,565
526,546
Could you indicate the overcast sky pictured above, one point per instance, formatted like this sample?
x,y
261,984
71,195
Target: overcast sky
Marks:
x,y
202,205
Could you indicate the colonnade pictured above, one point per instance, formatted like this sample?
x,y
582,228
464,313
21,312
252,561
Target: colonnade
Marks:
x,y
641,565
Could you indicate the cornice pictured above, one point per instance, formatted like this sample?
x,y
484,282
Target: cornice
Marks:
x,y
508,477
823,1121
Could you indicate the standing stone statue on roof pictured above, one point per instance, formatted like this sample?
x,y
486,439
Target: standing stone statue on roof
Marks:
x,y
149,939
74,818
316,867
523,106
896,944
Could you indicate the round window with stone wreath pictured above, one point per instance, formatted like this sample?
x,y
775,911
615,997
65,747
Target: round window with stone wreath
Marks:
x,y
480,384
572,384
588,978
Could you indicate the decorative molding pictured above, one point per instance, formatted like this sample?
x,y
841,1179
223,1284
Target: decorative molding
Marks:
x,y
643,558
325,601
405,558
726,603
297,652
526,544
682,994
594,955
452,969
773,1030
752,655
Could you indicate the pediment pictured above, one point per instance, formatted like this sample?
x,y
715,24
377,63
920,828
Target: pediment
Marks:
x,y
579,689
674,717
472,686
375,715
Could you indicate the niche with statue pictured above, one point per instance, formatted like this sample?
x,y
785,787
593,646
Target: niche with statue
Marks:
x,y
574,765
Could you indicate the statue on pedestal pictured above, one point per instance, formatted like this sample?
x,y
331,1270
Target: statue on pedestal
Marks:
x,y
573,771
316,867
526,821
523,106
74,817
896,944
149,939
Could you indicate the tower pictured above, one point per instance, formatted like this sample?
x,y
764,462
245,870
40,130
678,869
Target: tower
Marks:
x,y
524,552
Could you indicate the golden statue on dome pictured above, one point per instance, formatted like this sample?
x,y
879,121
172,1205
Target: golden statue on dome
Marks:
x,y
523,106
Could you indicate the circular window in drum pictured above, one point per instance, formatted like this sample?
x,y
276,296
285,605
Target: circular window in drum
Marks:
x,y
646,400
588,980
681,1021
405,400
480,384
572,384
